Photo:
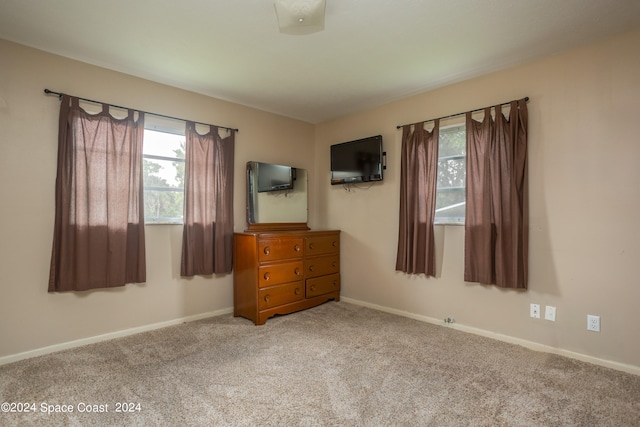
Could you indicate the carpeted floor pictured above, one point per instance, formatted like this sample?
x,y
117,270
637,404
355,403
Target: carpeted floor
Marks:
x,y
334,365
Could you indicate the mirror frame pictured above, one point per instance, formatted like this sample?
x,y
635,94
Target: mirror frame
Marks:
x,y
267,226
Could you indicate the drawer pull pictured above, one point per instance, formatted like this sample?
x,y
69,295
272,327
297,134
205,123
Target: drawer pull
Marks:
x,y
296,248
334,244
297,291
311,268
297,271
333,264
267,250
311,246
335,283
267,276
266,298
312,288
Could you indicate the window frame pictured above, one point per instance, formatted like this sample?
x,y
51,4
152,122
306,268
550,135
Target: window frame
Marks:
x,y
450,220
172,127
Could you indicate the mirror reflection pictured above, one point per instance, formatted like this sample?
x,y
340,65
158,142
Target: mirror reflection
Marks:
x,y
276,193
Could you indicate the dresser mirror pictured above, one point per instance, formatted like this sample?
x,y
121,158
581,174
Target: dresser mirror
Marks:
x,y
276,197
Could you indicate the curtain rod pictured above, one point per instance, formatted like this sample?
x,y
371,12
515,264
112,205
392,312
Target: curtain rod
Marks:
x,y
526,99
50,92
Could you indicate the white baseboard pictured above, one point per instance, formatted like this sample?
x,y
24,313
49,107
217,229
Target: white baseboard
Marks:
x,y
631,369
505,338
108,336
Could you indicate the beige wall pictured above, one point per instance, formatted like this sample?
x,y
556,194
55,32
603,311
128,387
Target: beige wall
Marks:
x,y
584,177
584,193
31,318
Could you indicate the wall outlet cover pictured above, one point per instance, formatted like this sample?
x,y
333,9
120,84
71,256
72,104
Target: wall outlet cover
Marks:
x,y
534,311
593,323
550,313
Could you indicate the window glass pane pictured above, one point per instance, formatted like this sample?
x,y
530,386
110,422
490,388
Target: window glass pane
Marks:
x,y
163,144
453,141
163,173
163,176
450,205
450,199
452,172
163,206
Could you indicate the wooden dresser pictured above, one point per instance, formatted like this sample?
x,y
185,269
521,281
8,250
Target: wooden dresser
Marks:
x,y
279,272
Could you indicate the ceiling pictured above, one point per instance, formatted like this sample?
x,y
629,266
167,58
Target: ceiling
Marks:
x,y
371,52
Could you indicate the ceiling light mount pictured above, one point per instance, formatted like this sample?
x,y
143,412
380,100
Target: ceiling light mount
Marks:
x,y
300,16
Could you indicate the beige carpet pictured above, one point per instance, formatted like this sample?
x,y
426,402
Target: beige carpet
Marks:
x,y
334,365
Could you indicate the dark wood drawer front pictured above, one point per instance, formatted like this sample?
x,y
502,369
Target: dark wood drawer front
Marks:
x,y
279,295
275,249
274,274
318,245
322,285
322,266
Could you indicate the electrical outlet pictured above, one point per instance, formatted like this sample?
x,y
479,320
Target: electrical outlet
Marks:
x,y
550,313
593,323
534,311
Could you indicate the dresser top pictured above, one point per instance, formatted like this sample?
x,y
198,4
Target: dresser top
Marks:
x,y
287,233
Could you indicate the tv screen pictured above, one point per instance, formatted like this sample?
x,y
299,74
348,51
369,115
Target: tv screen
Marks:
x,y
274,177
357,161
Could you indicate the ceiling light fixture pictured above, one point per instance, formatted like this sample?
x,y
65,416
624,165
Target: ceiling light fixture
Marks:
x,y
300,16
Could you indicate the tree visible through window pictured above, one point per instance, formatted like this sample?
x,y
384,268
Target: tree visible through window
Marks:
x,y
163,176
452,164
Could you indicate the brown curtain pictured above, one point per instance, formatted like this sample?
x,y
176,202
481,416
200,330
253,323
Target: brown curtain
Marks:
x,y
207,239
496,225
99,220
419,167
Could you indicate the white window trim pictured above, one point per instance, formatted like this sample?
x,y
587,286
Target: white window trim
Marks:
x,y
448,221
170,126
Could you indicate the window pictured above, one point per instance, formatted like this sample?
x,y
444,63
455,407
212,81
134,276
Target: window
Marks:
x,y
452,164
163,157
163,176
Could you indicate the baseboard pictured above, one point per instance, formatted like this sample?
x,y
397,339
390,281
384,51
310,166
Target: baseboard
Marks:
x,y
111,335
500,337
505,338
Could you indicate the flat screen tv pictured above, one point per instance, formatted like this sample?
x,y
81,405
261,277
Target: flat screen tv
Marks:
x,y
357,161
274,177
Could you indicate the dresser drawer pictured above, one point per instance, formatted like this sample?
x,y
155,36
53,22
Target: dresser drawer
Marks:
x,y
322,285
278,295
276,249
283,272
321,266
318,245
